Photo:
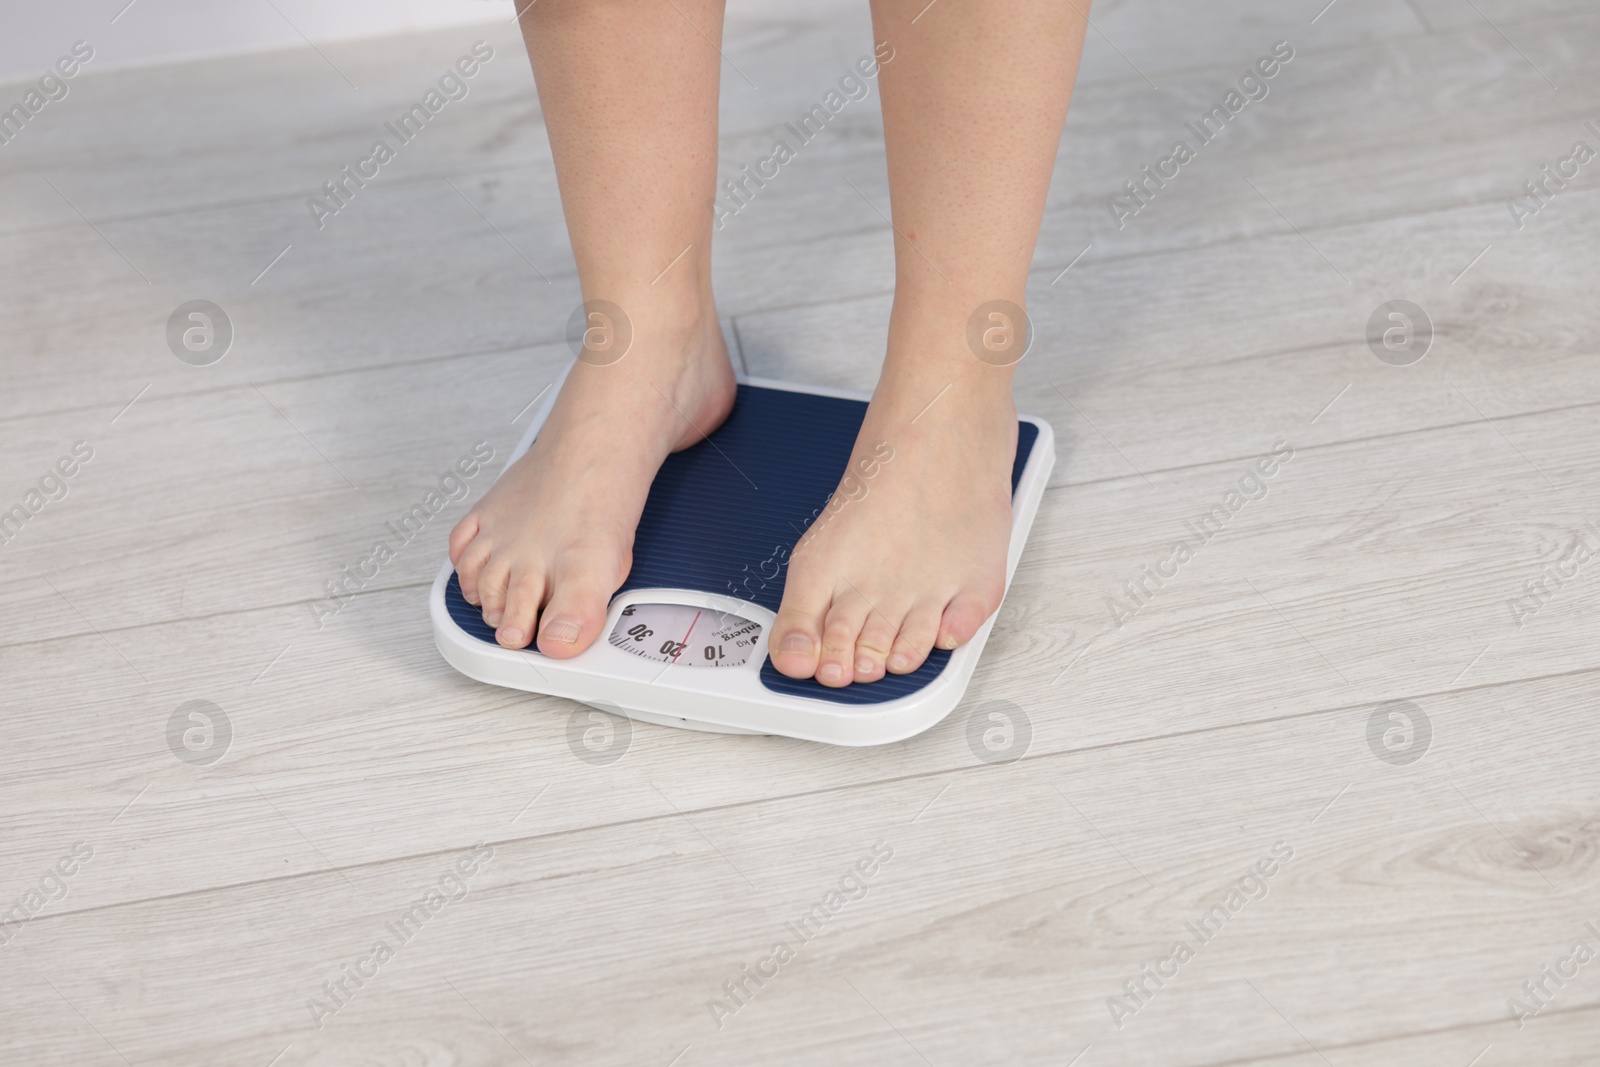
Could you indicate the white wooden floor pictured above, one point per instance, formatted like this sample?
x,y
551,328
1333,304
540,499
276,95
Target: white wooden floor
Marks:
x,y
1226,723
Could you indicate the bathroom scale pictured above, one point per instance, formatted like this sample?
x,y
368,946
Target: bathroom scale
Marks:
x,y
685,637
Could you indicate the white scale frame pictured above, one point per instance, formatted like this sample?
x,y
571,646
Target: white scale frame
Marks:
x,y
730,699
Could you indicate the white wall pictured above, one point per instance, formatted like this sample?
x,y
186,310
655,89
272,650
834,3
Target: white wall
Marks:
x,y
33,33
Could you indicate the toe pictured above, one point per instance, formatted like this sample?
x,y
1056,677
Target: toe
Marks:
x,y
580,589
522,607
492,582
841,631
872,647
915,639
469,568
462,536
965,615
797,631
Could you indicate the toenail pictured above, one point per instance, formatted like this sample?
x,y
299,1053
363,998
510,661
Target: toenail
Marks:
x,y
492,617
796,642
831,672
512,637
948,641
564,630
900,661
864,665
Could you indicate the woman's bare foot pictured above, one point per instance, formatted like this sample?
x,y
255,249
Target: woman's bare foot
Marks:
x,y
912,551
973,105
556,530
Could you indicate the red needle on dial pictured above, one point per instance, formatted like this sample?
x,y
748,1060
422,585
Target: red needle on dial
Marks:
x,y
685,642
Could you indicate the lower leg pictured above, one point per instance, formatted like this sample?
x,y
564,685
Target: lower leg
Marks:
x,y
973,106
974,99
628,90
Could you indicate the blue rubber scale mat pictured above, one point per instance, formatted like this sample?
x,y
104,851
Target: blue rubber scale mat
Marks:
x,y
685,639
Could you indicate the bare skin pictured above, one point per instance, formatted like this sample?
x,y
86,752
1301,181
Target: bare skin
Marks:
x,y
920,557
974,99
973,104
635,145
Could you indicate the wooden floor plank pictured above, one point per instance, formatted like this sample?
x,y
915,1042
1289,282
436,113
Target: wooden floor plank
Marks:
x,y
1055,879
1556,1037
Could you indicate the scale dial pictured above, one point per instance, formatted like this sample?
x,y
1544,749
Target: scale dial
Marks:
x,y
685,636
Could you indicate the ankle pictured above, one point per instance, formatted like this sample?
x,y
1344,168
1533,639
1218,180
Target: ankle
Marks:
x,y
958,336
657,290
938,354
661,321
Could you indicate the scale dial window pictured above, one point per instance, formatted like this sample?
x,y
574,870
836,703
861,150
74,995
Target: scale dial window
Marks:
x,y
685,636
